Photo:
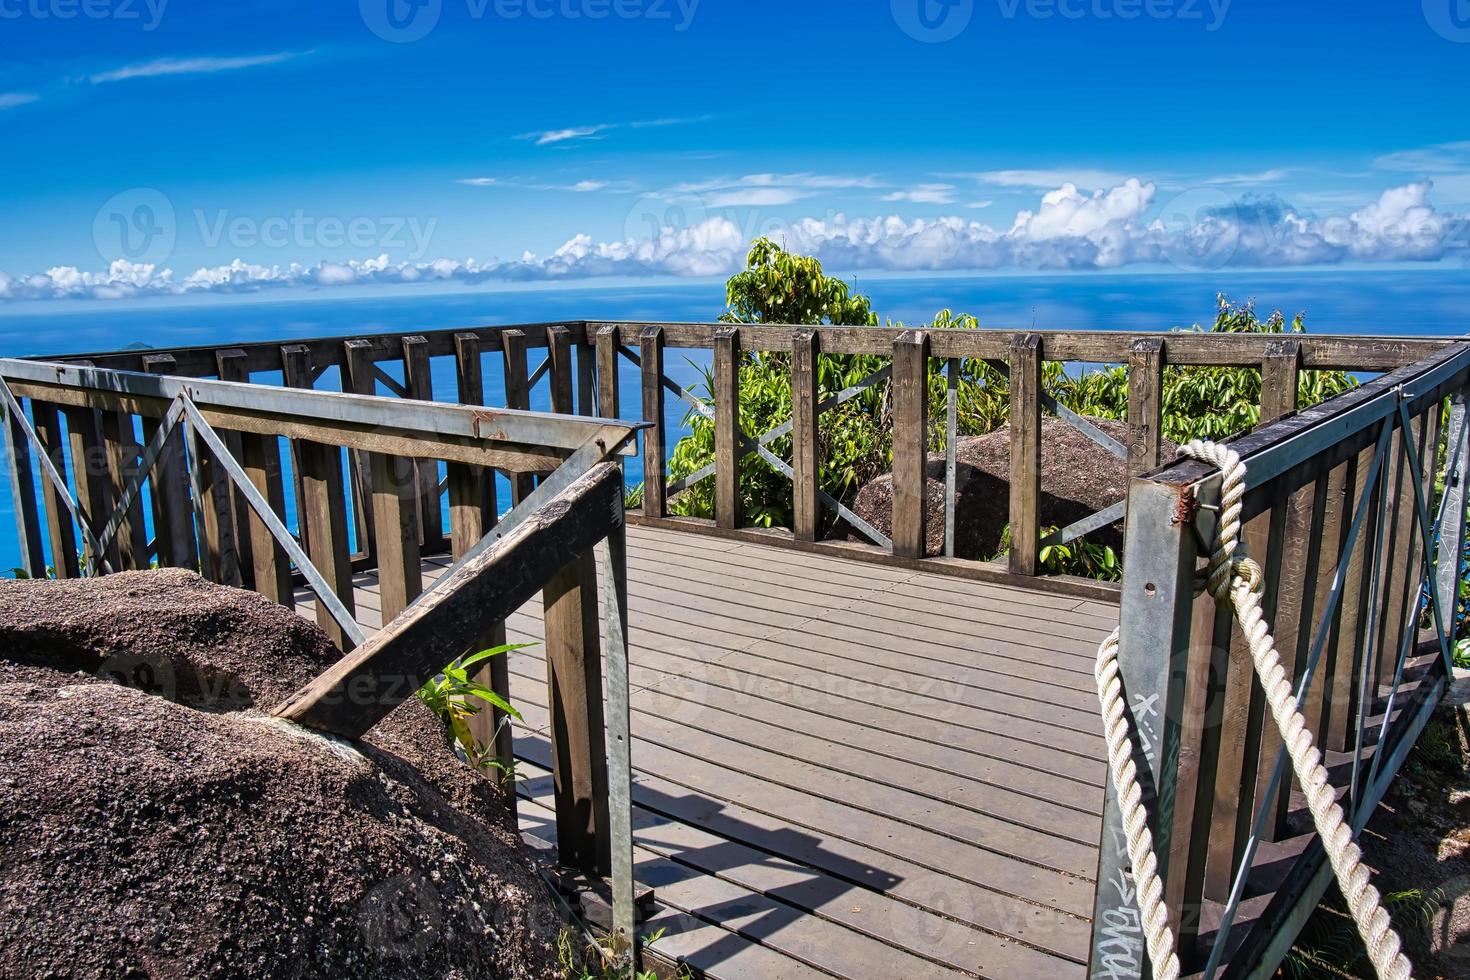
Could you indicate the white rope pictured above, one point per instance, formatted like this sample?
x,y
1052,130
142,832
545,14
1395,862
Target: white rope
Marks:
x,y
1239,581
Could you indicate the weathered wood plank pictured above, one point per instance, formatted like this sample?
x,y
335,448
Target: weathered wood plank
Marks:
x,y
322,505
173,514
123,454
394,484
1025,426
517,395
727,428
418,381
910,442
609,404
24,501
1280,374
232,365
355,693
1145,405
60,530
651,355
89,474
358,378
805,465
1342,709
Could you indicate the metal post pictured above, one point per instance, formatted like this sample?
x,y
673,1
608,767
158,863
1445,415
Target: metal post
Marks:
x,y
1452,527
1158,605
618,726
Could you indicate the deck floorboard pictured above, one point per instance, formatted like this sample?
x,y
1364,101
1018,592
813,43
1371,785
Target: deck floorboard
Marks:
x,y
842,769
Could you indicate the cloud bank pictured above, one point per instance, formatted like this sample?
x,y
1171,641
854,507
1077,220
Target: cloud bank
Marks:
x,y
1108,229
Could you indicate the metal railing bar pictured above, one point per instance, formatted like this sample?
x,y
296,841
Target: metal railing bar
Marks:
x,y
390,382
268,517
542,429
539,373
1429,532
150,455
12,404
1088,524
1278,772
1075,420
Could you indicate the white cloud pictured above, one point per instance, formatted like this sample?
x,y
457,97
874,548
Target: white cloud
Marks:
x,y
578,187
1273,176
1441,158
1070,229
547,137
10,100
1036,179
192,66
924,194
798,181
755,197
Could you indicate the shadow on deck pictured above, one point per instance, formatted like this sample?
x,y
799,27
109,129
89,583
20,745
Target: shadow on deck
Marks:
x,y
841,768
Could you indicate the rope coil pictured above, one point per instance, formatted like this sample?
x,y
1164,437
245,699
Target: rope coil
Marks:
x,y
1237,581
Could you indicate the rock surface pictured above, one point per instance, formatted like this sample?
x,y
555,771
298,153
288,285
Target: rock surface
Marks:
x,y
1077,477
186,835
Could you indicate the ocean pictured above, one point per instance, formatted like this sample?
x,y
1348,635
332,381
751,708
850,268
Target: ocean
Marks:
x,y
1429,302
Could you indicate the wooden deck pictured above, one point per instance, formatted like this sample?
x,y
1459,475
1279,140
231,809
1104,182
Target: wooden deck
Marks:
x,y
843,769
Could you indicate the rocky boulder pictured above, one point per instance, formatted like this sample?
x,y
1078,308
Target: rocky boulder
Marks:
x,y
171,829
1078,477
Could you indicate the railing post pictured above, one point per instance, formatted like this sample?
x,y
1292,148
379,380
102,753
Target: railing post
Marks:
x,y
23,496
651,353
951,449
578,748
727,427
323,506
1153,660
806,468
608,404
260,456
517,395
418,382
123,454
563,372
1280,373
1452,533
1025,365
89,475
586,375
59,525
1145,405
173,515
910,442
232,365
357,378
473,511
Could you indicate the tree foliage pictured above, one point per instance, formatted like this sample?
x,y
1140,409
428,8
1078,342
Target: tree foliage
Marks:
x,y
855,438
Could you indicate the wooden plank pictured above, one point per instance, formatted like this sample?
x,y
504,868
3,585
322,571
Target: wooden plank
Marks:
x,y
262,463
60,530
1342,708
322,506
173,513
89,474
727,428
232,365
1025,428
609,404
394,484
358,378
473,511
1145,405
1399,577
359,690
418,381
1331,515
562,370
123,454
517,395
296,372
23,496
854,882
805,464
1280,374
910,443
1294,587
651,355
1240,734
574,680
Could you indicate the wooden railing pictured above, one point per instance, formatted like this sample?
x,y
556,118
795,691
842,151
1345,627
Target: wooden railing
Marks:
x,y
1358,548
211,473
583,361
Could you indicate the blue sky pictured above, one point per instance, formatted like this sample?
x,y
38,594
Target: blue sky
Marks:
x,y
158,147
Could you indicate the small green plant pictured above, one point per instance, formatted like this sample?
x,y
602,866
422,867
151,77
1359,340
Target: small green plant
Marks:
x,y
604,959
452,695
